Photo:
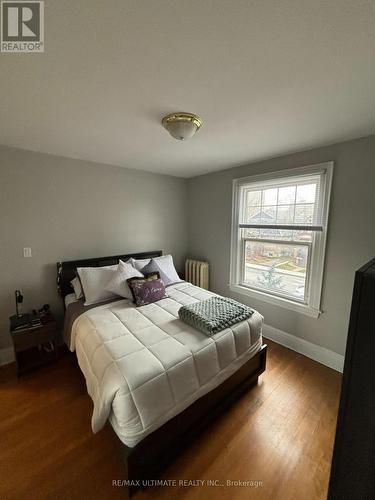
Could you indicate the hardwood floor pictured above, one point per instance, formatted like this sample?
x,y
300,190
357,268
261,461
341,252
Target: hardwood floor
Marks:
x,y
280,434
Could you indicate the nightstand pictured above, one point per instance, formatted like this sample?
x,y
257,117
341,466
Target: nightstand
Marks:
x,y
35,346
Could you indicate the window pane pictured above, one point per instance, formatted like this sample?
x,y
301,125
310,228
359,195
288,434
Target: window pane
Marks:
x,y
304,214
269,196
253,215
306,193
250,233
268,215
287,195
254,198
302,236
276,234
269,234
285,214
278,268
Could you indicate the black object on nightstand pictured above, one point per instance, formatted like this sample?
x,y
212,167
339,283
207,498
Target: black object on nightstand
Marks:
x,y
35,345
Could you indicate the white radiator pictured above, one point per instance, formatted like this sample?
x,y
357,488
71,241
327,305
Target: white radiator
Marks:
x,y
197,273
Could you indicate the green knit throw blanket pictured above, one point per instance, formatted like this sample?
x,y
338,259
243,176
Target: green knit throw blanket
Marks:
x,y
214,314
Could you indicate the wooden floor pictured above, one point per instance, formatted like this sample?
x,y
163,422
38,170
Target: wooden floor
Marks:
x,y
280,434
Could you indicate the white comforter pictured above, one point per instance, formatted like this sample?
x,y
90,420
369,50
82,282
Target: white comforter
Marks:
x,y
143,365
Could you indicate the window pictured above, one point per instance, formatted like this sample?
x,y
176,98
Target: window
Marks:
x,y
279,232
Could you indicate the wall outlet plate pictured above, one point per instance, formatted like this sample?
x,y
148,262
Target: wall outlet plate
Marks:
x,y
27,252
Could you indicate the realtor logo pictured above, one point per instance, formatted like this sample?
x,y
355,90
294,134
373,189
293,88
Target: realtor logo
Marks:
x,y
22,26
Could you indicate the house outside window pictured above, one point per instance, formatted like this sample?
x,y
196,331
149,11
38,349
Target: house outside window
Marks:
x,y
279,230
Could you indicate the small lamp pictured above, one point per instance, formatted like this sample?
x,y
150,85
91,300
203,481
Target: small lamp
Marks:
x,y
19,320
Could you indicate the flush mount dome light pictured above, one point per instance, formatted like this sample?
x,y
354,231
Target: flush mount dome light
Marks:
x,y
182,126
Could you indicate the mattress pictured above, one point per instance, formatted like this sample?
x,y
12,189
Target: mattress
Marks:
x,y
143,365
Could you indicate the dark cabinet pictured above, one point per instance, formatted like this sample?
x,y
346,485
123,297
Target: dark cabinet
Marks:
x,y
353,463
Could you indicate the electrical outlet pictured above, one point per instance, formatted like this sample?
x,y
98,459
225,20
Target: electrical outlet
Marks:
x,y
27,252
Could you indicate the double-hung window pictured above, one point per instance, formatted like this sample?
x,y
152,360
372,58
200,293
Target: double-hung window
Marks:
x,y
279,229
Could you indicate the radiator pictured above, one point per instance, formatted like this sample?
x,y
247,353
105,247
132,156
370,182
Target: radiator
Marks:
x,y
197,273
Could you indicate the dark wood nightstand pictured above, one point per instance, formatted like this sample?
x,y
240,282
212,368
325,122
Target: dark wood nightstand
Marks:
x,y
35,346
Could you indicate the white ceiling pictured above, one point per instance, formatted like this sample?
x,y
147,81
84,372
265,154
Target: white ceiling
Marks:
x,y
267,77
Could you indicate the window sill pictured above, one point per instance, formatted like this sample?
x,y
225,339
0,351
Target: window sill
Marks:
x,y
276,301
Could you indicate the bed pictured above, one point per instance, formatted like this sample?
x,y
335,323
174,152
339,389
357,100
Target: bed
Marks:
x,y
187,378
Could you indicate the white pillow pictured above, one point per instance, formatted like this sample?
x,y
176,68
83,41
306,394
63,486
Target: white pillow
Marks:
x,y
94,281
77,287
139,263
165,262
118,284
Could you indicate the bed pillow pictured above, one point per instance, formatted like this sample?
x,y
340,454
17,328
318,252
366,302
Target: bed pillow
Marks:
x,y
165,262
153,267
118,283
138,263
153,275
77,287
164,265
147,290
94,281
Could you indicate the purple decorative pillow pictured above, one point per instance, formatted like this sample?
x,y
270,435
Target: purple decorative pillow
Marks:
x,y
147,290
148,277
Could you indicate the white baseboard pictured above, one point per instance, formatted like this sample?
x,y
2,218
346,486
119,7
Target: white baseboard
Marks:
x,y
6,356
313,351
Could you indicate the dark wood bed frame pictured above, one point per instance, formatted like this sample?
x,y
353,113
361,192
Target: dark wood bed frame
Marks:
x,y
149,457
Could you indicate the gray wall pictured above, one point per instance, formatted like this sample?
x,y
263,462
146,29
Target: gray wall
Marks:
x,y
69,209
351,235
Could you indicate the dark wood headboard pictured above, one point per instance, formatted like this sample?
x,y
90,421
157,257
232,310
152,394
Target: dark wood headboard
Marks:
x,y
66,271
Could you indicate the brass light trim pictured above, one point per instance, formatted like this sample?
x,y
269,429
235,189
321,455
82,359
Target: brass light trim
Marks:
x,y
185,117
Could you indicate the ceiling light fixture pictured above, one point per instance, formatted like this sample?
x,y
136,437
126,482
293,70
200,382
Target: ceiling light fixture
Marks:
x,y
182,126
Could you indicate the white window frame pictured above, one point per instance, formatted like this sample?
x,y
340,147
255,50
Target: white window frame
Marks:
x,y
316,265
